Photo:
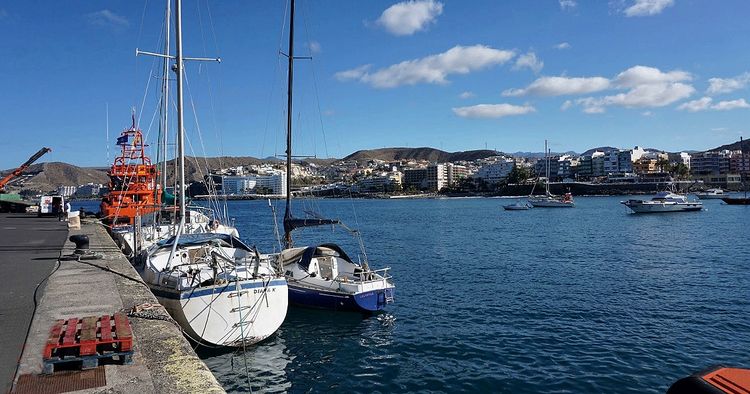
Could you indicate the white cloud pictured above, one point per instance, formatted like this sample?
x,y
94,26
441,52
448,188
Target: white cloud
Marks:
x,y
530,61
648,7
329,112
559,86
729,105
409,17
431,69
704,104
647,113
651,95
726,85
643,96
315,47
562,45
641,75
353,74
566,105
466,95
700,104
492,110
566,5
107,18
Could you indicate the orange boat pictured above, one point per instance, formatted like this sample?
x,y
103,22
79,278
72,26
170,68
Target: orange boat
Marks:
x,y
715,380
133,187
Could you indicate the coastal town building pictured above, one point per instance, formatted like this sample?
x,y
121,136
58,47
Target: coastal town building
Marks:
x,y
385,182
495,172
269,183
437,177
66,191
415,177
705,163
89,190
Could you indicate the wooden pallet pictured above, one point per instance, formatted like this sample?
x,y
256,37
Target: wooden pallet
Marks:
x,y
89,341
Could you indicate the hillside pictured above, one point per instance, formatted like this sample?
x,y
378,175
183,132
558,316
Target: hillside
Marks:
x,y
424,153
48,176
733,146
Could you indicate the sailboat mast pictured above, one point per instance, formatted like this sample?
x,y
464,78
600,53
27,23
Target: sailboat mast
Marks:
x,y
290,79
546,154
165,97
180,129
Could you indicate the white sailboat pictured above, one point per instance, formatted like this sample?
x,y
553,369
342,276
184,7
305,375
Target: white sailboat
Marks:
x,y
324,276
218,289
549,200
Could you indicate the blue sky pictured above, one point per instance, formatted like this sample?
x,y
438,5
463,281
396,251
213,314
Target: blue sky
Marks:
x,y
454,75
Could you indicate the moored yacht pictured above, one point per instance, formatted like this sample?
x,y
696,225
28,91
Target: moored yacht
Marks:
x,y
711,194
663,202
324,276
549,200
220,291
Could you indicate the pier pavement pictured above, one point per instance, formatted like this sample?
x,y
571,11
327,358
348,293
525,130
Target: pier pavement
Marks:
x,y
29,248
164,361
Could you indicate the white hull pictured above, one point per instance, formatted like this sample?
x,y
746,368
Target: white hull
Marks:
x,y
550,203
664,202
648,207
228,317
219,290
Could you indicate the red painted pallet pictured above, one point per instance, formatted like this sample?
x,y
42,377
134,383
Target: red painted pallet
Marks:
x,y
89,340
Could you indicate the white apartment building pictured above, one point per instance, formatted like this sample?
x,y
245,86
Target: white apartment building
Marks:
x,y
496,172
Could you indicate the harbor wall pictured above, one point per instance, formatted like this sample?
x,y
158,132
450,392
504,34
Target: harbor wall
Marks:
x,y
164,361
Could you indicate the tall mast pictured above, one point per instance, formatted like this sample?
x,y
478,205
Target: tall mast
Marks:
x,y
180,130
165,96
546,154
290,56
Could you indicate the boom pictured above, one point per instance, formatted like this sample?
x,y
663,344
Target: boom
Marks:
x,y
18,171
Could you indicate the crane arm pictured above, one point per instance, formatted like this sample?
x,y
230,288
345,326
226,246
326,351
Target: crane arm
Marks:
x,y
18,171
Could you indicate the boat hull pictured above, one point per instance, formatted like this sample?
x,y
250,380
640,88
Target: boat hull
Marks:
x,y
639,207
551,204
736,200
223,316
367,301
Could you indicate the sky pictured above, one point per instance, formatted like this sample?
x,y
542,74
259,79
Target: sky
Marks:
x,y
453,75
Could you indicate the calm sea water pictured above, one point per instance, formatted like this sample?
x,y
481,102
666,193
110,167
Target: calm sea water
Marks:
x,y
590,299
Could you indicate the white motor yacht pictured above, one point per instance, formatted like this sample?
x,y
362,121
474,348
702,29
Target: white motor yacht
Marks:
x,y
663,202
711,194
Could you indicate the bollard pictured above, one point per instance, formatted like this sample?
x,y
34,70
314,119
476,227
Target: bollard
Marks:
x,y
82,243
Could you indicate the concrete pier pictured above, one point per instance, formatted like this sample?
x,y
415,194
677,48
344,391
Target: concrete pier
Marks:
x,y
164,361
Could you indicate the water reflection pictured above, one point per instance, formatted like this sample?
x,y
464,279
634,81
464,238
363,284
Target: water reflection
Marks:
x,y
306,352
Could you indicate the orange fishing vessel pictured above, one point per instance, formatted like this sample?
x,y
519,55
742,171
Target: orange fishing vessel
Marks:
x,y
133,187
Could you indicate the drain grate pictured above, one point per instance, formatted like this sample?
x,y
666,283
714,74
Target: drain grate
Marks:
x,y
61,382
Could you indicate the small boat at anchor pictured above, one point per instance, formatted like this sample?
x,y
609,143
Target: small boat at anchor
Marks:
x,y
663,202
549,200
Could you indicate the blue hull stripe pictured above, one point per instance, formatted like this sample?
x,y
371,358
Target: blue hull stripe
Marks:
x,y
369,301
217,290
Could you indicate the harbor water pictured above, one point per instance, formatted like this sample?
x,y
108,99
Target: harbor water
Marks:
x,y
589,299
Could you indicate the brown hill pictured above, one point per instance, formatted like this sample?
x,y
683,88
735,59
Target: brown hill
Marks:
x,y
48,176
424,153
733,146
